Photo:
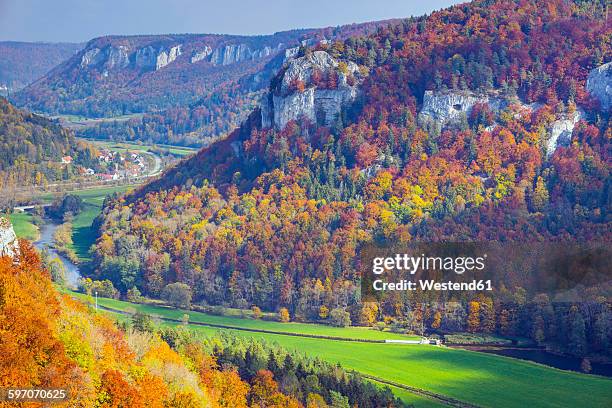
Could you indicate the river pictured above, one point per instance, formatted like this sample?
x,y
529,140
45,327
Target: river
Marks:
x,y
46,241
543,357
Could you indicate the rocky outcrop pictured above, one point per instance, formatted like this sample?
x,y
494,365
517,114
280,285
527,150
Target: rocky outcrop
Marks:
x,y
233,53
116,57
110,57
448,108
91,57
451,108
165,57
561,132
599,84
9,245
291,52
200,55
313,103
146,57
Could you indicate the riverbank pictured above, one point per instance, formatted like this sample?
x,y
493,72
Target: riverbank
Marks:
x,y
541,356
45,242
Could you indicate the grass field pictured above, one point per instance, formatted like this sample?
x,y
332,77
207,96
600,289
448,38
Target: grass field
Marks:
x,y
82,235
123,146
23,226
299,328
478,378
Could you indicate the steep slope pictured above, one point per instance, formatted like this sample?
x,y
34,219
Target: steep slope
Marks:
x,y
475,123
200,83
32,148
22,63
49,340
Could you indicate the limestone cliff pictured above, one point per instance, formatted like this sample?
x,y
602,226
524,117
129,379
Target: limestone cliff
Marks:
x,y
201,54
561,132
299,93
233,53
109,57
448,108
165,57
122,56
9,245
599,84
451,108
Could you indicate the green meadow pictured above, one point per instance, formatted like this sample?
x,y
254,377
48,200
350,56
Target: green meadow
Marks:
x,y
130,146
82,234
477,378
362,333
23,226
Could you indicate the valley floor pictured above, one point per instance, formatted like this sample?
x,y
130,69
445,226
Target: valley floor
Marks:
x,y
455,377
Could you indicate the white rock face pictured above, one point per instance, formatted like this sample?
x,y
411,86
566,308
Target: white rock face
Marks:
x,y
90,57
599,84
230,54
9,246
233,53
118,57
561,132
291,52
200,55
166,57
111,57
320,106
448,108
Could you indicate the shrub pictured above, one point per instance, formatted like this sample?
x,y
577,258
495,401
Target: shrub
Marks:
x,y
256,312
340,317
178,295
283,315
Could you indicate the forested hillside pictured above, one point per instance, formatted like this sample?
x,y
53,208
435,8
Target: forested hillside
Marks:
x,y
22,63
52,341
32,147
482,122
192,88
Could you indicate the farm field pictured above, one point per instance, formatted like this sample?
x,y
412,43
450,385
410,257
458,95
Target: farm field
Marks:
x,y
477,378
82,235
123,146
23,226
250,324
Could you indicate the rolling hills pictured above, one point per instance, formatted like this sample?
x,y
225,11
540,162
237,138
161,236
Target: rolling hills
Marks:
x,y
32,150
193,87
480,122
22,63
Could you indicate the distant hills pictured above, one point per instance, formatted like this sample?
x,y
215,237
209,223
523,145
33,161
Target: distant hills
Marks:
x,y
22,62
32,148
191,86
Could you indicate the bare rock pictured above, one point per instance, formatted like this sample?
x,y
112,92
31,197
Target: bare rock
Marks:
x,y
9,245
165,57
450,108
200,55
561,132
320,106
599,84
